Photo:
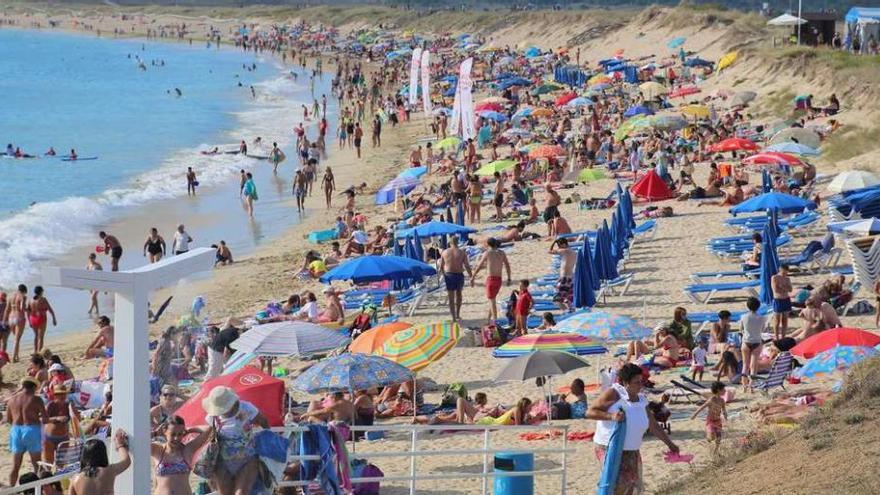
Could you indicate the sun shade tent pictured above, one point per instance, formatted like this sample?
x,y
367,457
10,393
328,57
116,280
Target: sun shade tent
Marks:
x,y
786,20
651,187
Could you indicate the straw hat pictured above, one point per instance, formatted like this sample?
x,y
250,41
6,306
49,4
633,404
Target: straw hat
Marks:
x,y
29,380
219,401
60,389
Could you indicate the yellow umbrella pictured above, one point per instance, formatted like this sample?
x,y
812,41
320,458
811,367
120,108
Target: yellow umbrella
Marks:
x,y
542,112
697,111
417,347
598,78
727,60
496,166
448,143
652,89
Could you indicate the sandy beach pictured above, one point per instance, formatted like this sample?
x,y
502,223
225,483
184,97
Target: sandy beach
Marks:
x,y
660,267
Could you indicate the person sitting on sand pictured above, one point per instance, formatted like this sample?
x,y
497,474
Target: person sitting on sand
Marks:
x,y
548,321
465,412
223,255
664,345
577,399
357,242
732,197
102,344
335,407
334,313
309,310
558,225
518,415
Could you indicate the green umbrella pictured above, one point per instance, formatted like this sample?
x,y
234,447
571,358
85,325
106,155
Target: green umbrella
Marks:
x,y
490,168
590,174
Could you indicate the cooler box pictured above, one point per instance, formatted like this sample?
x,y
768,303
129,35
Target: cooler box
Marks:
x,y
320,236
506,462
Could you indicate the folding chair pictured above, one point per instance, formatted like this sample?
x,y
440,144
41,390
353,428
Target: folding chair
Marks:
x,y
680,390
779,370
67,456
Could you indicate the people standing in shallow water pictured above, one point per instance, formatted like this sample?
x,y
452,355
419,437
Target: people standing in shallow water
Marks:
x,y
112,248
250,194
154,247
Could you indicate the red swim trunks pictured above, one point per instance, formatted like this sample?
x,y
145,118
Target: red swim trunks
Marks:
x,y
493,286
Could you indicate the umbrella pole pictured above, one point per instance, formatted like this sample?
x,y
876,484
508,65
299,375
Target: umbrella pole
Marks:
x,y
415,393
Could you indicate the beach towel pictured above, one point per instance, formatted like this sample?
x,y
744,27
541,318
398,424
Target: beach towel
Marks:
x,y
613,456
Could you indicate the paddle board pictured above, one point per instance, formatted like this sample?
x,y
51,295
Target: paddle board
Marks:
x,y
257,157
78,159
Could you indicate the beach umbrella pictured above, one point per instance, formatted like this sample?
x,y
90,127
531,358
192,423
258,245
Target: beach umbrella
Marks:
x,y
637,110
350,372
289,338
784,203
741,98
517,132
667,122
727,60
495,116
800,135
769,265
607,254
793,148
488,106
399,185
547,151
733,144
565,98
449,143
675,42
838,358
414,172
373,339
434,228
651,90
524,111
851,180
546,88
494,99
441,111
600,266
599,87
539,363
409,250
599,78
772,158
834,337
580,101
590,175
683,91
542,112
583,295
417,244
696,111
786,20
490,168
418,346
606,327
265,392
629,209
571,343
373,268
652,187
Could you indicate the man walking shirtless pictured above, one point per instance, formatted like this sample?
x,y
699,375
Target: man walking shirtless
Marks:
x,y
453,263
495,261
26,414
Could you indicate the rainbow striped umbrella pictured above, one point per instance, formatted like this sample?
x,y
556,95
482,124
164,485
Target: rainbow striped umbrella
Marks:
x,y
838,358
419,346
604,326
571,343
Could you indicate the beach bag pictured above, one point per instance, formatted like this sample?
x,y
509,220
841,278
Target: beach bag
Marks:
x,y
365,470
490,336
452,393
206,464
861,308
560,410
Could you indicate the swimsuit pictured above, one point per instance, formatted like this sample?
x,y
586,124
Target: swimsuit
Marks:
x,y
713,426
154,247
493,286
25,438
171,468
116,252
37,320
454,281
564,293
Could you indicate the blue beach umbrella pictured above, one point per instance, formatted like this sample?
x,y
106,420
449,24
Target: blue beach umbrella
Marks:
x,y
603,326
769,266
608,258
496,116
838,358
584,297
773,223
637,110
614,235
766,182
389,191
793,148
784,203
414,172
417,244
629,209
433,228
675,42
373,268
349,372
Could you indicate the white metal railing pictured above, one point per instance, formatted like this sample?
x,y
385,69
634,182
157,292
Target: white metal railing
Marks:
x,y
413,454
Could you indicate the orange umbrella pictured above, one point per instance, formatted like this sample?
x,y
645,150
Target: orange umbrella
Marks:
x,y
374,338
542,112
547,151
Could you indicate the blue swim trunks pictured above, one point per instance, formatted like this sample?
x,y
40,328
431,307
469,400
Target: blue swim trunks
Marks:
x,y
782,305
26,438
454,281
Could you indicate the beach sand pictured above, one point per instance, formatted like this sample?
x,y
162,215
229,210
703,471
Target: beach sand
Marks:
x,y
661,268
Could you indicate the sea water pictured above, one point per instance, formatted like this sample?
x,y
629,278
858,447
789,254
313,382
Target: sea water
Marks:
x,y
117,100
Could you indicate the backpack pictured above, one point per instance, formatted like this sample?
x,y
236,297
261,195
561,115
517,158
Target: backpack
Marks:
x,y
452,394
364,470
560,410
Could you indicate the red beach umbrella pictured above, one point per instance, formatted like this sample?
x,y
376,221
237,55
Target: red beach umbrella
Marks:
x,y
683,91
266,393
565,98
828,339
651,187
733,144
773,158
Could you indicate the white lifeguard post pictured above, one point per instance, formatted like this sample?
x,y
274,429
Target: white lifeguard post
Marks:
x,y
131,354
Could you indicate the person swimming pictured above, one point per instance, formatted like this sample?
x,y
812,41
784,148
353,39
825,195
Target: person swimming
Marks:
x,y
51,151
72,154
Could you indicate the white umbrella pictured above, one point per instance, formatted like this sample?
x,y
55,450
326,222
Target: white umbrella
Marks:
x,y
786,20
869,226
852,179
289,338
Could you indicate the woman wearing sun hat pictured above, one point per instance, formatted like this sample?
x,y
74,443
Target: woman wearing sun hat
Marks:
x,y
234,421
57,428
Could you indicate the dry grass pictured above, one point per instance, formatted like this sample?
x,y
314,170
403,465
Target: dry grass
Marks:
x,y
850,141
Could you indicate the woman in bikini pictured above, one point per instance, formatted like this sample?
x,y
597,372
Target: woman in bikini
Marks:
x,y
475,197
38,311
57,429
173,458
329,185
154,246
97,475
15,317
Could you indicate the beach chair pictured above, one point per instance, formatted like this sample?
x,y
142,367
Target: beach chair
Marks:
x,y
67,456
854,288
779,371
710,290
644,231
610,287
680,390
703,277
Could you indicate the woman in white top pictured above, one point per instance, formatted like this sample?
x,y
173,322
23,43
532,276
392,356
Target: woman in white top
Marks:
x,y
752,325
624,400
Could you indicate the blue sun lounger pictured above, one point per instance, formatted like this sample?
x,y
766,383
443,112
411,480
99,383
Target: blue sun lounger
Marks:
x,y
703,277
710,290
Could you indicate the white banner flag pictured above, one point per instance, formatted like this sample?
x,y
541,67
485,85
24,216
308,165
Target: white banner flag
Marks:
x,y
426,82
455,120
466,84
414,75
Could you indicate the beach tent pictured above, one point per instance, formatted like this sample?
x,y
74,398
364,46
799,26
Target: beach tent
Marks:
x,y
651,187
861,23
786,20
263,391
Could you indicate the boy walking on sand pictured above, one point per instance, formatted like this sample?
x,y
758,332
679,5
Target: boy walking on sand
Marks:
x,y
715,408
524,303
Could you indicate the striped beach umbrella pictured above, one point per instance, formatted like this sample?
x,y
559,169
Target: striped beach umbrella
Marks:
x,y
374,338
838,358
571,343
603,326
419,346
350,372
289,338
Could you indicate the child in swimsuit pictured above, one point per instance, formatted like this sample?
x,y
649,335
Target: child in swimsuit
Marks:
x,y
715,407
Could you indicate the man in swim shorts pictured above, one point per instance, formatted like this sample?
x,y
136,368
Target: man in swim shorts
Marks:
x,y
453,263
495,261
26,413
565,285
113,248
